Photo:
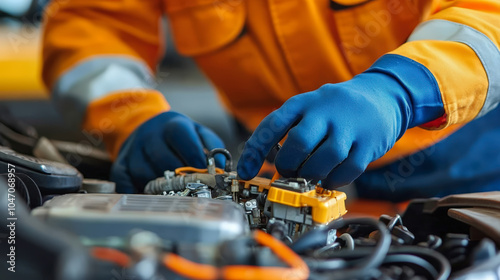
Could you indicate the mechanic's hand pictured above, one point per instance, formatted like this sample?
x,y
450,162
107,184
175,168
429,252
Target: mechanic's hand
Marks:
x,y
165,142
335,131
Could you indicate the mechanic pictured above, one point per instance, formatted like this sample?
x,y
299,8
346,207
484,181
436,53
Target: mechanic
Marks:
x,y
405,88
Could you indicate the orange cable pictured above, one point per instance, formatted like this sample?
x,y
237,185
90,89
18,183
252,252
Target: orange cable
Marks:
x,y
188,169
276,176
189,269
111,255
298,268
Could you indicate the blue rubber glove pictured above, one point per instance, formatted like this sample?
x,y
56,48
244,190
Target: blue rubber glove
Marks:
x,y
336,131
165,142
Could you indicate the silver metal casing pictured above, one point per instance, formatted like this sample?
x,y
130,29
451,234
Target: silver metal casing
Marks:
x,y
173,218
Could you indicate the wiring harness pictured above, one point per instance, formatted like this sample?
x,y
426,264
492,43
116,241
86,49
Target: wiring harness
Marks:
x,y
361,248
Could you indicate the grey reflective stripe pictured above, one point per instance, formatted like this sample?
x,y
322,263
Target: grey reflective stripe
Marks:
x,y
485,49
94,78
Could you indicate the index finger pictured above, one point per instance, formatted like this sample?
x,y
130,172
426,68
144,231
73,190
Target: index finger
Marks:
x,y
269,133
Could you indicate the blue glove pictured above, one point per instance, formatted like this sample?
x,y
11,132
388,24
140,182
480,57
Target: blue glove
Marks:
x,y
165,142
336,131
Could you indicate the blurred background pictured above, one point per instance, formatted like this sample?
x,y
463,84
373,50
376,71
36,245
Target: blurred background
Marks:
x,y
23,93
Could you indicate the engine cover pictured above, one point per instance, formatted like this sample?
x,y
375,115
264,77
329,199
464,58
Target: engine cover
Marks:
x,y
173,218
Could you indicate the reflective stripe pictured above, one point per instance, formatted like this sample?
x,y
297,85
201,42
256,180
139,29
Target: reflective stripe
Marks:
x,y
93,79
485,49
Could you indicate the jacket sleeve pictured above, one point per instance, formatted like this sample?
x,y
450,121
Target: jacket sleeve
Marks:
x,y
458,45
98,62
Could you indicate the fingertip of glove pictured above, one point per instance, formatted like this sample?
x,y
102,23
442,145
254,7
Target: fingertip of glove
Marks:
x,y
242,171
332,184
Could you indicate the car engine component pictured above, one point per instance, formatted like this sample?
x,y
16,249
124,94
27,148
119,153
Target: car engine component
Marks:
x,y
23,138
50,177
195,224
284,207
177,219
97,186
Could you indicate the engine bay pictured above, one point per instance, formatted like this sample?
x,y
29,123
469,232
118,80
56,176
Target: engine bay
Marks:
x,y
210,224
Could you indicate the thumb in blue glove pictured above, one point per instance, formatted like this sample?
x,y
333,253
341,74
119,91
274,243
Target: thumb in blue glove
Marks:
x,y
165,142
336,131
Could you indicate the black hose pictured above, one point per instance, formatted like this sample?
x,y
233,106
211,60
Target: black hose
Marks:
x,y
311,240
434,257
430,260
363,265
411,260
318,265
226,153
372,261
